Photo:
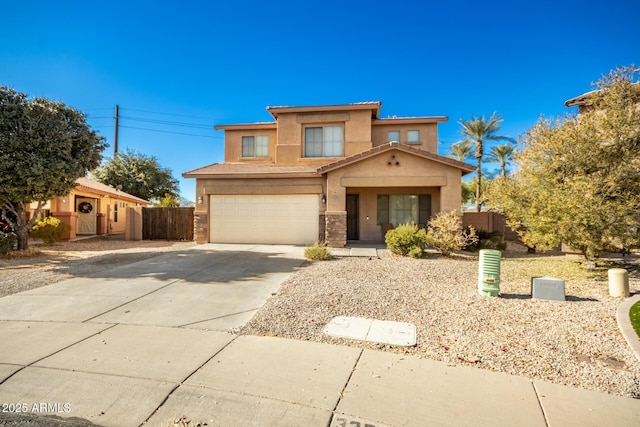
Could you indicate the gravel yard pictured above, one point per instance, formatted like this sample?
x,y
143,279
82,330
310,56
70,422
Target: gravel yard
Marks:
x,y
575,343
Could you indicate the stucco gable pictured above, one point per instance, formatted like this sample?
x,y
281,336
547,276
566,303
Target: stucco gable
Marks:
x,y
465,168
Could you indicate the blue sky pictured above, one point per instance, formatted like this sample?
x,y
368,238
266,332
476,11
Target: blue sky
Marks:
x,y
202,63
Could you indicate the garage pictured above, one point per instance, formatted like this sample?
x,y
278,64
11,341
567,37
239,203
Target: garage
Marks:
x,y
271,219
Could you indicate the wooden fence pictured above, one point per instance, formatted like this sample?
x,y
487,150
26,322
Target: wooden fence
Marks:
x,y
167,223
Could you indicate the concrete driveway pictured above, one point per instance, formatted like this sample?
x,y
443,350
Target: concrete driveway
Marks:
x,y
215,287
147,343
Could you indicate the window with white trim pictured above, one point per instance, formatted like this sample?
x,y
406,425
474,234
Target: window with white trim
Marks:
x,y
255,146
323,141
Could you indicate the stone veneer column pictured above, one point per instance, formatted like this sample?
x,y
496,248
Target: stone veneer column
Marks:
x,y
336,229
201,227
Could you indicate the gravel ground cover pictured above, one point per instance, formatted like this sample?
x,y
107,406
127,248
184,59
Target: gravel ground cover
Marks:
x,y
576,342
50,264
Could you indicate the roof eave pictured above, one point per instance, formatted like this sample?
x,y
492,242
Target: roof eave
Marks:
x,y
410,120
247,126
373,106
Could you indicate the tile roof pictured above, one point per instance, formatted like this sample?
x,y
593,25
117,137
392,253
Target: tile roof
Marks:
x,y
579,100
250,170
369,105
465,167
103,189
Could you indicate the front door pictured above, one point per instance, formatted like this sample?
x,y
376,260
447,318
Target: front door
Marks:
x,y
87,210
353,203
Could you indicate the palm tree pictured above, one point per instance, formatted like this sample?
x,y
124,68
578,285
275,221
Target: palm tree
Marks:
x,y
462,150
502,154
480,130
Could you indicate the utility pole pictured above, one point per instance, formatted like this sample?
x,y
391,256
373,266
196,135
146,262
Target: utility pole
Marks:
x,y
115,139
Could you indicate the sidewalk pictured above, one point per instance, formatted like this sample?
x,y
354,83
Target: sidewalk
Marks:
x,y
150,344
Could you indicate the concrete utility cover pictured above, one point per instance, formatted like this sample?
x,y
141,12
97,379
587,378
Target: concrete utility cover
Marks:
x,y
380,331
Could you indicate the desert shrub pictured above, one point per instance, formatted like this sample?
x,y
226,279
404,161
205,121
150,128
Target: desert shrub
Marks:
x,y
49,229
407,240
447,235
7,242
317,251
486,240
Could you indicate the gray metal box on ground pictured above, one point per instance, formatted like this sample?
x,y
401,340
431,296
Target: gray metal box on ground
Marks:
x,y
550,288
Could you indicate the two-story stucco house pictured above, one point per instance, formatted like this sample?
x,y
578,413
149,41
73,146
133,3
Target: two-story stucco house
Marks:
x,y
333,173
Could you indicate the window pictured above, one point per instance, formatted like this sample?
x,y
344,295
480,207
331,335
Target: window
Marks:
x,y
255,146
413,136
323,141
400,209
393,135
115,212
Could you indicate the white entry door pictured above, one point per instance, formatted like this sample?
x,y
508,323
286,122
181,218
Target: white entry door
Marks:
x,y
275,219
87,210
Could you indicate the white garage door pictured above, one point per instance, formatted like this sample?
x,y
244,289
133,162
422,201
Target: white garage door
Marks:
x,y
282,219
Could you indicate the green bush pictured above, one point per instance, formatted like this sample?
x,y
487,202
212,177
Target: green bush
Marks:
x,y
486,240
447,235
317,251
7,242
49,229
407,240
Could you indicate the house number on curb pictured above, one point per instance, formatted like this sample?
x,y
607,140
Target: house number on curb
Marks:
x,y
344,421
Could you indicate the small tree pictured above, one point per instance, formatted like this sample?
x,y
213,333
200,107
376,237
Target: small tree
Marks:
x,y
479,131
168,201
502,154
579,175
44,147
462,150
139,175
446,234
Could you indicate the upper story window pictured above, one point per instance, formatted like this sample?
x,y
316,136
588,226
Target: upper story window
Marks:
x,y
413,136
393,135
323,141
255,146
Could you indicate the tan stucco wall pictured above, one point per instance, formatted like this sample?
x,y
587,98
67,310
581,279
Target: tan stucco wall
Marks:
x,y
267,186
287,142
373,176
428,134
104,210
368,227
233,145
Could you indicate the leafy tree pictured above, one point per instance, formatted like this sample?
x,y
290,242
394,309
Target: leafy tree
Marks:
x,y
44,147
139,175
168,201
579,175
478,131
462,150
469,190
502,154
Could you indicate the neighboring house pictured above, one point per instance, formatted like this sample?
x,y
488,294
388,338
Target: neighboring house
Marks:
x,y
580,101
92,208
333,173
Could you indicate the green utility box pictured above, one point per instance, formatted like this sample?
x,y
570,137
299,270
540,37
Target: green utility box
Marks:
x,y
489,273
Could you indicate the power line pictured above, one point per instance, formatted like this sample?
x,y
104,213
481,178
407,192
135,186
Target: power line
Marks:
x,y
168,123
176,133
168,114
